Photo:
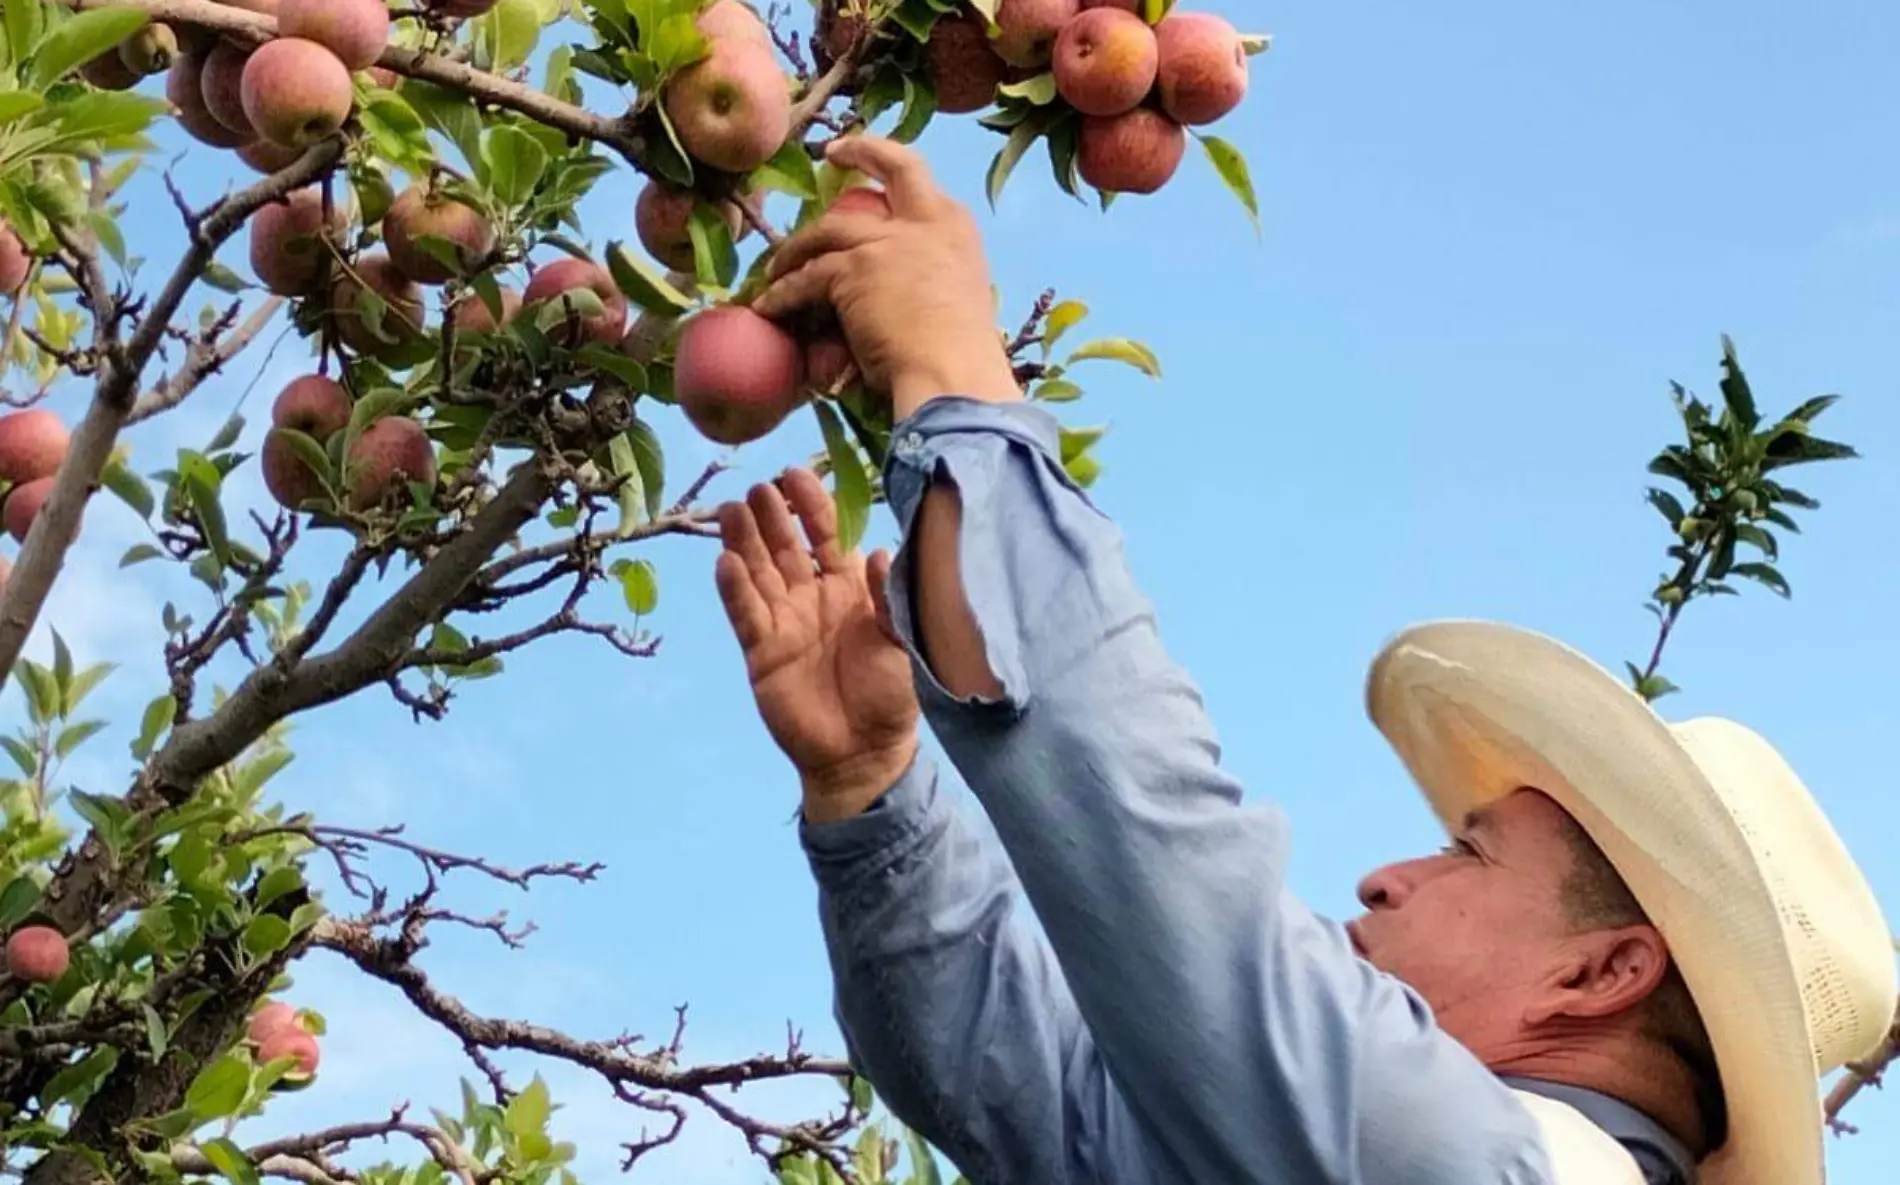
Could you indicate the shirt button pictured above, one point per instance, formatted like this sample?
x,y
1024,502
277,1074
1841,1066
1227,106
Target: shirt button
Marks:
x,y
911,444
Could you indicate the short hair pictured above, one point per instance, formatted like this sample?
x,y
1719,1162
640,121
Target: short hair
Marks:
x,y
1596,898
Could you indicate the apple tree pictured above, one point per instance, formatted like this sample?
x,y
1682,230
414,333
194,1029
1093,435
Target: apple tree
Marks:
x,y
476,440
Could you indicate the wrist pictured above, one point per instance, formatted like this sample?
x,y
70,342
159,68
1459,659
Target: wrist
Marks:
x,y
983,372
848,788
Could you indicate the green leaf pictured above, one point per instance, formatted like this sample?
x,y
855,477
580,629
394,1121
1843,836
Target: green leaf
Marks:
x,y
106,229
513,27
789,171
1797,448
77,735
1756,537
1021,138
528,1111
223,278
203,483
516,163
1120,349
80,1076
651,458
640,583
107,815
1735,390
1256,44
130,488
642,285
1062,318
230,1160
62,665
923,1166
266,935
276,883
79,39
851,489
676,44
1764,574
920,107
84,682
14,104
450,113
1057,391
1667,503
920,17
219,1091
252,777
227,435
631,493
158,717
1039,90
312,454
1807,412
22,754
1655,687
17,901
42,694
1231,164
715,259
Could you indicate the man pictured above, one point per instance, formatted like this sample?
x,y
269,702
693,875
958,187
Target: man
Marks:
x,y
1639,948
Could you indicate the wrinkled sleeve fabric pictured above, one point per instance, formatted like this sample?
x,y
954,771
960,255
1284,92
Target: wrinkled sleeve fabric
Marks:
x,y
1246,1040
948,997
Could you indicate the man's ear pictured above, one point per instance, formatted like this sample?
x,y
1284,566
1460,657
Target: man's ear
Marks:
x,y
1602,974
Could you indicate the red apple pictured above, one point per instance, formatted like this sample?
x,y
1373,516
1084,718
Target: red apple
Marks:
x,y
37,954
552,279
23,506
184,87
296,92
1203,71
15,263
737,375
420,213
964,67
290,1041
287,247
472,314
356,31
403,314
730,20
1135,152
223,85
385,458
1026,29
268,1019
732,108
660,219
1105,61
33,445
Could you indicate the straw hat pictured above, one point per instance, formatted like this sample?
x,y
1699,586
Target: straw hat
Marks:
x,y
1775,930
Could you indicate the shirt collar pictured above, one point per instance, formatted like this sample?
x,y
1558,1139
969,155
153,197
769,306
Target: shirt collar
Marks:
x,y
1663,1158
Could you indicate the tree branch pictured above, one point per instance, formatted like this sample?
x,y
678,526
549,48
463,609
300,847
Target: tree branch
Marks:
x,y
56,527
206,358
1861,1075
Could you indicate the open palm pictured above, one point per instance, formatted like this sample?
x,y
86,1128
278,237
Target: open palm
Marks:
x,y
834,689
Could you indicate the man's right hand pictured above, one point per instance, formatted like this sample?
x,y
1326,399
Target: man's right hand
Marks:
x,y
911,288
833,685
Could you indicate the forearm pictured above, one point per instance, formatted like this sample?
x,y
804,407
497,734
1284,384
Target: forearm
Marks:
x,y
949,1001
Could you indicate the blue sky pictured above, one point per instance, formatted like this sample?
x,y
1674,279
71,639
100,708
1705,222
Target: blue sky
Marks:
x,y
1491,236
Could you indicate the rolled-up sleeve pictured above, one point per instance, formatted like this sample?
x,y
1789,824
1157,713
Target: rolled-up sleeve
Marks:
x,y
1247,1041
948,998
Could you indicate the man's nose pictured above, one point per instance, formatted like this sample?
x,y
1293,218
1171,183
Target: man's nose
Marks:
x,y
1383,888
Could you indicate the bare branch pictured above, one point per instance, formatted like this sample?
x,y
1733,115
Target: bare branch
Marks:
x,y
207,356
1861,1075
56,527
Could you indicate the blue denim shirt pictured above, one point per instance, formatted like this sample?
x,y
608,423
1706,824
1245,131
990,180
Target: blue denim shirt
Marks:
x,y
1171,1012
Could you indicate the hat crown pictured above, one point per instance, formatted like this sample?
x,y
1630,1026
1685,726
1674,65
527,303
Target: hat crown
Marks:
x,y
1836,936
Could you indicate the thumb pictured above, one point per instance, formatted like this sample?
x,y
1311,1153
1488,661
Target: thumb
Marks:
x,y
878,572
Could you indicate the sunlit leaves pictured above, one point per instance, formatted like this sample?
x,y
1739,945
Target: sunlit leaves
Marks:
x,y
79,39
1231,165
851,486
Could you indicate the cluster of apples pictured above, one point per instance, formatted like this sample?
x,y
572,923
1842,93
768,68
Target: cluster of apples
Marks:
x,y
33,445
1138,87
385,456
37,954
275,1031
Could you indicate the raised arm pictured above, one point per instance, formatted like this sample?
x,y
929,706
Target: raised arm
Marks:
x,y
1248,1040
949,999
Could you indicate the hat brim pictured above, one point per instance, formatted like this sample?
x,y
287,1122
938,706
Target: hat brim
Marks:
x,y
1477,710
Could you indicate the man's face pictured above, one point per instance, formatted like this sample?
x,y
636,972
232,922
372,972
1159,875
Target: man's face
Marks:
x,y
1479,928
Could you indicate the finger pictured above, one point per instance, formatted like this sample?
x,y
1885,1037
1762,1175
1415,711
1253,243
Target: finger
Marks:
x,y
808,287
818,514
745,608
781,535
739,530
878,572
832,231
907,179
